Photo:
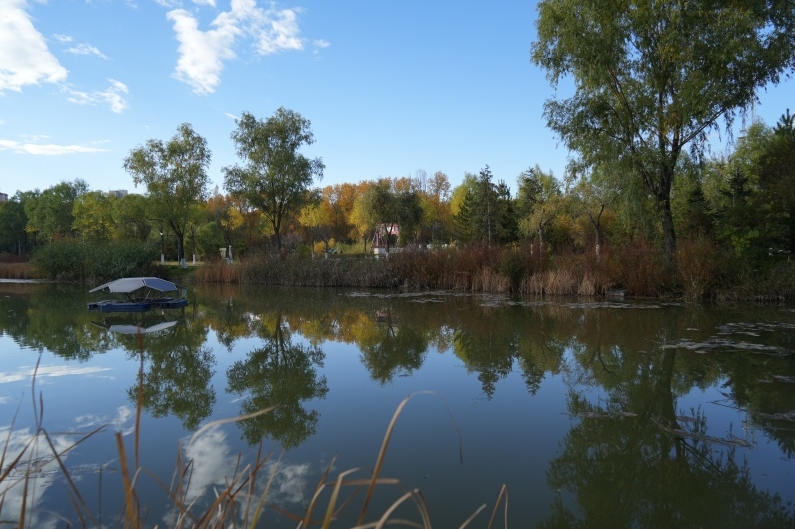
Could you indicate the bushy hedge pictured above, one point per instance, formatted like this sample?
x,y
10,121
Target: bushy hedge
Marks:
x,y
80,260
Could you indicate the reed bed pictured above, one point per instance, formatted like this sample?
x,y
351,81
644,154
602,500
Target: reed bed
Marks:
x,y
17,271
240,503
476,269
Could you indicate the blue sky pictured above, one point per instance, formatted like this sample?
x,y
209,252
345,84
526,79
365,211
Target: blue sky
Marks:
x,y
391,87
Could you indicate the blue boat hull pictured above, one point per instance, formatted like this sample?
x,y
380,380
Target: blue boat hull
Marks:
x,y
137,306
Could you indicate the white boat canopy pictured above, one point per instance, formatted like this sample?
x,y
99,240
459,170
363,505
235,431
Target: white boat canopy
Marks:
x,y
131,284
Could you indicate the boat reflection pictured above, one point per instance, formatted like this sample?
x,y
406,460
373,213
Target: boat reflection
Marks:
x,y
137,323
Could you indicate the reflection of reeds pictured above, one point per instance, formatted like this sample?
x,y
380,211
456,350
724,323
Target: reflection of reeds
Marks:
x,y
237,504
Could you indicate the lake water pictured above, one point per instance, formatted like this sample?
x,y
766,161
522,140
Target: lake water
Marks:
x,y
590,413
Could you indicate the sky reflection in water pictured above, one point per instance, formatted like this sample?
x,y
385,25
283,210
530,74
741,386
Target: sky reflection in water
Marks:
x,y
606,414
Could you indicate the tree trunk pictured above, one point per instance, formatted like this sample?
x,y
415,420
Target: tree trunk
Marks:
x,y
276,226
597,228
181,250
668,232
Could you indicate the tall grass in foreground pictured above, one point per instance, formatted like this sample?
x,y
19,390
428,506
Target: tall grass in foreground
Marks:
x,y
240,503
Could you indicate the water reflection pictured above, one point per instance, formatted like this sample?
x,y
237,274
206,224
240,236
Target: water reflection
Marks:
x,y
631,461
637,452
177,374
280,373
391,347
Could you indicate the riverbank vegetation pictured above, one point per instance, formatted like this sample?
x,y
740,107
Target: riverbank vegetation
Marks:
x,y
644,206
583,234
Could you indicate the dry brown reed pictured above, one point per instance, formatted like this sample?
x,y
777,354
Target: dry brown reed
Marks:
x,y
17,271
638,267
218,272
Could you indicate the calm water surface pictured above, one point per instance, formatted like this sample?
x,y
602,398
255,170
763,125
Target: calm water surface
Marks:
x,y
591,414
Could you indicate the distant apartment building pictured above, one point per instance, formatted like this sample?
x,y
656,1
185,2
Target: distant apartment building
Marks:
x,y
118,193
3,198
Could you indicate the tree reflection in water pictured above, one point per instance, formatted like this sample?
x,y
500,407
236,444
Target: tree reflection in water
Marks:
x,y
391,347
630,461
283,374
178,367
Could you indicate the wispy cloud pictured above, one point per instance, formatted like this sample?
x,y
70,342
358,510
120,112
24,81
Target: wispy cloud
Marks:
x,y
121,422
86,49
202,53
113,95
320,44
39,149
24,56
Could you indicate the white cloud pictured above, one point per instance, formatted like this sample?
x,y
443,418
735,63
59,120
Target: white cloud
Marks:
x,y
272,30
210,3
62,38
202,53
113,95
86,49
40,150
24,56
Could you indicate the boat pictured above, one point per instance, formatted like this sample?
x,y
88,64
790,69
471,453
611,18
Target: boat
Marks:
x,y
138,294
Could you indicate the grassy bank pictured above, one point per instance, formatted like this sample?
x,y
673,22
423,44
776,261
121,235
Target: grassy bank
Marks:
x,y
701,270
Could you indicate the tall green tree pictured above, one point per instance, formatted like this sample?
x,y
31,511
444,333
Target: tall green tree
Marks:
x,y
539,202
50,213
486,213
652,78
777,179
13,237
382,204
461,208
132,220
93,214
175,176
276,177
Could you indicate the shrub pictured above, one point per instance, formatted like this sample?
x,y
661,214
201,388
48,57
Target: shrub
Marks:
x,y
697,265
641,267
80,260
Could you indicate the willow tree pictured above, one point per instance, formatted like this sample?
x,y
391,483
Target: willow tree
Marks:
x,y
175,176
652,78
276,176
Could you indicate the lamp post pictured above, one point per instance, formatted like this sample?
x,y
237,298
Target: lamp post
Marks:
x,y
162,248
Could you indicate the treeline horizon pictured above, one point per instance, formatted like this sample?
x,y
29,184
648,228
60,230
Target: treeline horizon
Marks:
x,y
734,216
